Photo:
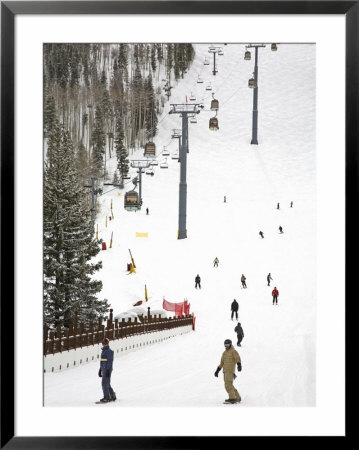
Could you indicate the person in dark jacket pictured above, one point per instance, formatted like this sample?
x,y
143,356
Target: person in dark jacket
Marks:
x,y
240,334
106,371
215,262
198,281
261,234
280,229
275,294
234,309
269,277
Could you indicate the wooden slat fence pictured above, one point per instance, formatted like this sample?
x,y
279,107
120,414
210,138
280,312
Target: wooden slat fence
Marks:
x,y
77,337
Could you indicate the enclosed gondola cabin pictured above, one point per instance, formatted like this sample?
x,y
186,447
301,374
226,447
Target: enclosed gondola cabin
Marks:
x,y
150,150
274,47
214,105
252,83
247,56
213,123
132,201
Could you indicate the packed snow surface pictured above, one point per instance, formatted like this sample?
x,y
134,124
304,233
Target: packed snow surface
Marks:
x,y
278,351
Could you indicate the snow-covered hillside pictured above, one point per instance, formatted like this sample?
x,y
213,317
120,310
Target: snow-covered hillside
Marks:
x,y
278,351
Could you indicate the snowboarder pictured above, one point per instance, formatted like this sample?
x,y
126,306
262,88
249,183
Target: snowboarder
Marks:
x,y
240,334
277,205
275,294
234,309
198,281
269,278
243,281
261,234
291,204
105,372
230,358
215,262
280,229
147,211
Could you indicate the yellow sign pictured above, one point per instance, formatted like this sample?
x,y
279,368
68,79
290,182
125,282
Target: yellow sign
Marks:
x,y
141,234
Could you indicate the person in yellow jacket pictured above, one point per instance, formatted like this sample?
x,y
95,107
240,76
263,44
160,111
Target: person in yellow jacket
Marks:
x,y
230,358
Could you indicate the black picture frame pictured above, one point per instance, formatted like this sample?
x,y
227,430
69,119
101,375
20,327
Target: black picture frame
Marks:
x,y
9,9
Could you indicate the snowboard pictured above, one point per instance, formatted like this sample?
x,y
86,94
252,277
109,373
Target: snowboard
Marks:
x,y
102,403
229,403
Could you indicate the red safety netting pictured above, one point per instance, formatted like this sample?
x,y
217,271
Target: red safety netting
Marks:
x,y
178,308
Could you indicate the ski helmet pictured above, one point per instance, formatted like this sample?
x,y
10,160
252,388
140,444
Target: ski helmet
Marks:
x,y
228,342
105,341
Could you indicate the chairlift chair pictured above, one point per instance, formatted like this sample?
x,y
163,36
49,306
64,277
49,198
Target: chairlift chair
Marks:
x,y
192,98
199,80
154,162
247,55
208,87
221,53
175,155
274,47
206,62
164,164
150,171
193,119
165,152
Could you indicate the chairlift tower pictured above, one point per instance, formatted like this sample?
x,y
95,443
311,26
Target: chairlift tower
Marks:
x,y
140,164
93,193
214,51
184,110
255,94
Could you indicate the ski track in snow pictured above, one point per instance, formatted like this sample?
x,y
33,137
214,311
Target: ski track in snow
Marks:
x,y
278,350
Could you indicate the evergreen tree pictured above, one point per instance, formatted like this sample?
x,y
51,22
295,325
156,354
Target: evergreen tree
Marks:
x,y
121,152
150,114
50,114
68,240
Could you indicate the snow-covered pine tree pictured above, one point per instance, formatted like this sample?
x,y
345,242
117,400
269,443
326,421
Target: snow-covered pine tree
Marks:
x,y
121,152
151,119
69,243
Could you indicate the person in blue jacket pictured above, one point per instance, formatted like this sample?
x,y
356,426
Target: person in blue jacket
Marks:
x,y
105,372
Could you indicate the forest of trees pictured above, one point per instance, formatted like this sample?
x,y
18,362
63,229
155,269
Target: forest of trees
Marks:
x,y
100,101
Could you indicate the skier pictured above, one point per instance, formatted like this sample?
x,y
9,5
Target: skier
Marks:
x,y
261,234
277,205
291,204
105,372
243,281
225,199
147,211
269,278
275,294
280,229
230,358
198,281
234,309
240,334
215,262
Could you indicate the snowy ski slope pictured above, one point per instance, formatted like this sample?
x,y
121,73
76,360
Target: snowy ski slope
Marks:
x,y
278,351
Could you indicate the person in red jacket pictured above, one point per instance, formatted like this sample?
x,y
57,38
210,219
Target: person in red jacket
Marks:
x,y
275,294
